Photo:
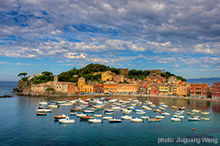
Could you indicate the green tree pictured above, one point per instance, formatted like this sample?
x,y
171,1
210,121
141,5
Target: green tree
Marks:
x,y
64,77
47,73
98,76
23,74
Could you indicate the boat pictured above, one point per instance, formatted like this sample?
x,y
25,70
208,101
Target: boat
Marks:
x,y
154,120
145,117
40,107
115,108
66,104
179,113
174,107
205,118
115,120
111,113
41,114
108,110
53,106
95,120
195,118
152,105
136,120
80,115
179,116
73,113
196,110
75,110
182,108
44,110
157,110
62,116
126,117
98,115
67,120
164,105
176,119
190,113
160,107
88,111
159,117
131,107
43,103
106,118
126,111
166,114
98,107
141,113
205,113
148,108
85,118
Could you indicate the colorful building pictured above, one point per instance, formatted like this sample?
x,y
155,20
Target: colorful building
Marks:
x,y
199,90
153,89
127,88
216,90
87,88
81,83
118,78
98,88
110,87
107,76
183,88
71,89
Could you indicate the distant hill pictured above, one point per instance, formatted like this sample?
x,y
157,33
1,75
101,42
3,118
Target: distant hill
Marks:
x,y
210,81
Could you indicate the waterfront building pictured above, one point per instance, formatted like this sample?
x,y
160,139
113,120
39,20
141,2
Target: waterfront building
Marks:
x,y
39,88
216,90
124,71
165,89
107,76
127,88
143,88
71,89
118,78
81,83
199,90
183,88
87,88
110,87
153,90
98,88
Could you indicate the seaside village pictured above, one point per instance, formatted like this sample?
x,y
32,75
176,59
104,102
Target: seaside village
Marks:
x,y
154,85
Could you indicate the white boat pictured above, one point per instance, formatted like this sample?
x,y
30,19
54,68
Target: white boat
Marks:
x,y
205,113
182,108
166,114
148,108
107,118
73,113
98,115
44,110
152,105
114,120
141,113
196,110
95,120
179,116
43,103
131,107
159,117
88,111
176,119
53,106
193,119
157,110
81,114
126,117
145,117
179,113
205,118
126,111
67,120
164,105
190,113
136,120
110,113
66,104
116,108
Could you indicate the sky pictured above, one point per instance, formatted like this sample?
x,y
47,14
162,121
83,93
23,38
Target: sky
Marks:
x,y
179,36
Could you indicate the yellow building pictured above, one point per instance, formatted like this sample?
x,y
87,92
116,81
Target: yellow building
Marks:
x,y
110,87
183,88
165,89
81,83
87,88
107,76
127,88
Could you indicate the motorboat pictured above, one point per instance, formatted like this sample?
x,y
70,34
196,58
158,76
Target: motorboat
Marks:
x,y
166,114
160,107
62,116
195,118
152,105
136,120
73,113
81,114
205,118
44,110
66,104
179,116
141,113
126,111
190,113
98,115
196,110
154,120
107,118
145,117
174,107
157,110
131,107
176,119
108,110
75,110
116,108
40,107
88,111
67,120
53,106
205,113
98,107
114,120
148,108
95,120
179,113
182,108
164,105
111,113
43,103
159,117
85,118
41,114
126,117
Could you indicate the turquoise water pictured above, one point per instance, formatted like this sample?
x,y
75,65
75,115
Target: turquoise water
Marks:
x,y
20,125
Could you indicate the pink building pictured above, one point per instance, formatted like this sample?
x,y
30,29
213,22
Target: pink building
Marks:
x,y
154,90
216,90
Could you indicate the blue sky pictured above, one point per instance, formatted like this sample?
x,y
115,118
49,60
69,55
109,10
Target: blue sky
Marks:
x,y
180,36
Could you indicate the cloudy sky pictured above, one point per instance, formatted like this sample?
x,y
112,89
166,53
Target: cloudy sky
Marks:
x,y
180,36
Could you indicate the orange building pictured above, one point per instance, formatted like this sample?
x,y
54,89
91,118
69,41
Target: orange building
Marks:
x,y
183,88
199,90
110,87
127,88
71,89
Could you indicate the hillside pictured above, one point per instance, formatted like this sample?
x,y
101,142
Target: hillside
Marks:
x,y
210,81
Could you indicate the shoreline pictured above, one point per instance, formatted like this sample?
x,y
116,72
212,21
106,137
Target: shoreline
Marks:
x,y
114,95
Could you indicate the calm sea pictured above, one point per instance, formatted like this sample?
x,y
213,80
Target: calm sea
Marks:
x,y
21,127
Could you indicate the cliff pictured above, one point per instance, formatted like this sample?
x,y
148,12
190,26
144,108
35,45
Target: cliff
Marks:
x,y
21,86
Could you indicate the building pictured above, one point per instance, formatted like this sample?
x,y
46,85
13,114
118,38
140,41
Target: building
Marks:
x,y
118,78
98,88
153,89
171,79
107,76
127,88
71,89
87,88
216,90
155,72
110,87
183,88
37,74
165,89
81,83
199,90
124,71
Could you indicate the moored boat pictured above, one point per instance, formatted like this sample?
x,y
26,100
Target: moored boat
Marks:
x,y
176,119
110,113
205,113
157,110
145,117
159,117
195,118
66,120
141,113
107,118
41,114
136,120
205,118
43,103
95,120
196,110
154,120
190,113
62,116
174,107
44,110
115,120
53,106
166,114
179,116
85,118
98,115
182,108
126,117
76,110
